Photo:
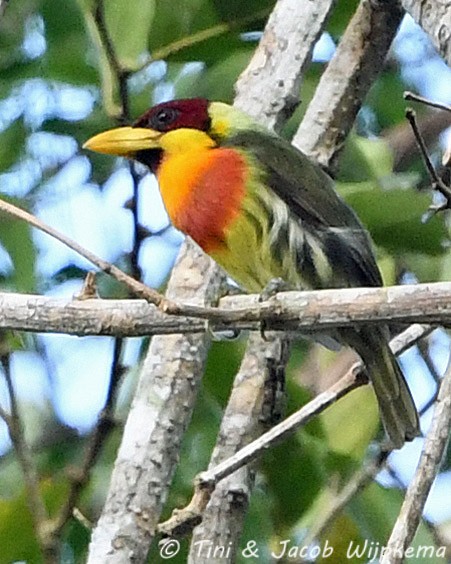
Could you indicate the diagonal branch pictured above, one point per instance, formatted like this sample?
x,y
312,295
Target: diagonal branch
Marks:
x,y
134,286
347,79
428,468
280,60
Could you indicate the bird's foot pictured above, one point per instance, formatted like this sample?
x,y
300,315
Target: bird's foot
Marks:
x,y
223,334
229,288
274,286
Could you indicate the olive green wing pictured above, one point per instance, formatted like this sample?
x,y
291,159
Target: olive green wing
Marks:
x,y
311,196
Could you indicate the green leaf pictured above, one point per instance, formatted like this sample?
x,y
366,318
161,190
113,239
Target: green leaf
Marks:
x,y
394,217
351,436
340,16
223,362
65,58
365,159
294,472
136,17
386,98
375,511
12,141
204,30
427,267
12,32
15,236
17,538
217,82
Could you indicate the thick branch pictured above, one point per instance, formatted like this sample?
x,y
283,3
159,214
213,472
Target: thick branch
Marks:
x,y
159,415
349,75
319,310
280,60
256,391
434,16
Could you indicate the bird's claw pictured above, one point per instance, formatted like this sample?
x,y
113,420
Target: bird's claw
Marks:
x,y
223,335
274,286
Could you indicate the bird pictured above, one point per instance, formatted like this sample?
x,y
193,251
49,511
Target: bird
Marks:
x,y
264,211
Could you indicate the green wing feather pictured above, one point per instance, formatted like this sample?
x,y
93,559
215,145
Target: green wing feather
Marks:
x,y
310,195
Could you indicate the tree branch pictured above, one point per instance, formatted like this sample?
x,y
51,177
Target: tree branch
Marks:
x,y
305,312
280,60
137,288
428,467
256,390
348,77
433,16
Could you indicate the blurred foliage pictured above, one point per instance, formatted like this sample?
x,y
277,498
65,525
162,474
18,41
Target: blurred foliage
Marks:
x,y
197,48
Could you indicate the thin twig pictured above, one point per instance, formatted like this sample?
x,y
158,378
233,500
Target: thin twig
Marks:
x,y
137,229
137,288
411,116
203,35
424,350
417,98
362,478
113,60
394,475
38,511
431,458
354,378
436,182
78,515
206,481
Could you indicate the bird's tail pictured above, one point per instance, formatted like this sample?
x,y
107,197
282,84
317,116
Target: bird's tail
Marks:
x,y
398,412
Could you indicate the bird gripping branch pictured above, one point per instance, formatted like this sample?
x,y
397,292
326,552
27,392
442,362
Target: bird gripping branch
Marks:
x,y
262,210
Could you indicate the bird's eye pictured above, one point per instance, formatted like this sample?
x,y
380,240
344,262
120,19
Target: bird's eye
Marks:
x,y
164,118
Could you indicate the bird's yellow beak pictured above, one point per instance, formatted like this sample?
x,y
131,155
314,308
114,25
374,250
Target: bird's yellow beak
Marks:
x,y
124,141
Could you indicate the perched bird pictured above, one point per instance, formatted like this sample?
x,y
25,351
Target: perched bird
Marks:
x,y
262,210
